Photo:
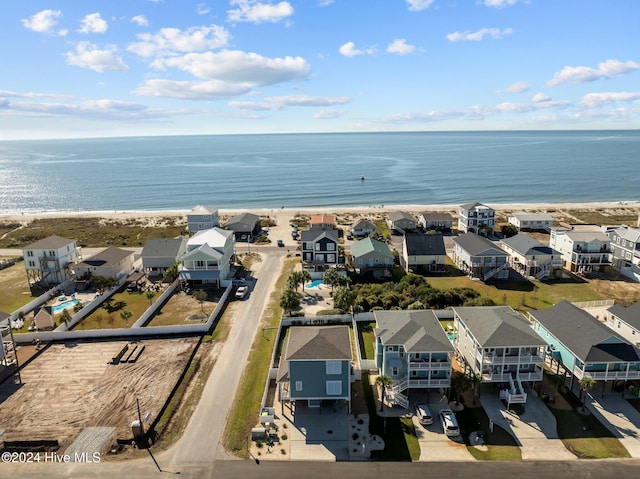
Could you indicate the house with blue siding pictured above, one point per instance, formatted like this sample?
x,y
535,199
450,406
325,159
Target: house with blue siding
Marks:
x,y
202,218
585,346
498,344
315,365
413,350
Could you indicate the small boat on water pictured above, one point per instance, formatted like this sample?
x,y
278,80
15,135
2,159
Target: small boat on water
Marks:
x,y
362,178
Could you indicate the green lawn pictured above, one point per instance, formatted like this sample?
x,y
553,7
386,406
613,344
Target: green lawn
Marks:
x,y
101,317
15,288
501,445
366,338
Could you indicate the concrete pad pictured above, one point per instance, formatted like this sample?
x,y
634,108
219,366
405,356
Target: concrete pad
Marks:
x,y
620,417
435,445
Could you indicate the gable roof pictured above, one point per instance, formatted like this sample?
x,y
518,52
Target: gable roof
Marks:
x,y
629,234
163,247
436,216
110,256
586,337
630,314
243,222
400,215
322,219
587,236
317,234
319,342
214,237
202,251
423,244
50,242
527,246
364,224
470,206
478,245
369,245
417,330
497,326
203,210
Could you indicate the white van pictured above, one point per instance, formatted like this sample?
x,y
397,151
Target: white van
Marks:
x,y
424,414
449,423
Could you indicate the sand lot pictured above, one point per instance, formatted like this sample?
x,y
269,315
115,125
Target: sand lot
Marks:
x,y
71,386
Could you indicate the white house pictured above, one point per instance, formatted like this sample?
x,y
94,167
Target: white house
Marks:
x,y
531,221
625,247
208,257
476,218
479,257
363,227
51,259
110,263
584,248
434,220
529,257
625,321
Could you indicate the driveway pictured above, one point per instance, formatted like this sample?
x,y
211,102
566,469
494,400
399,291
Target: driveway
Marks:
x,y
620,417
535,430
319,434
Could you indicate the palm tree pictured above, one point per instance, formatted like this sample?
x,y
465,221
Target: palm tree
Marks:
x,y
289,300
125,315
383,382
586,383
331,277
344,298
305,277
150,294
294,280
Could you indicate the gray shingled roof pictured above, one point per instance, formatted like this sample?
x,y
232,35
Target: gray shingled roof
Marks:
x,y
470,206
498,326
524,216
436,216
162,247
421,244
478,246
111,255
400,215
417,330
50,242
364,223
630,315
630,234
318,342
527,246
315,234
584,335
243,222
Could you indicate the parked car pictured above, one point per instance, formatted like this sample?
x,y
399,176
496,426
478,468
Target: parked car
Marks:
x,y
349,236
294,235
280,243
424,414
449,423
241,292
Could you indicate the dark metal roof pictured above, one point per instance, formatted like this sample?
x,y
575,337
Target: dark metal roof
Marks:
x,y
111,255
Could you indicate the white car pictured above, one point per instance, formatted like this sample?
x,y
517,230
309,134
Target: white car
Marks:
x,y
424,414
449,423
242,291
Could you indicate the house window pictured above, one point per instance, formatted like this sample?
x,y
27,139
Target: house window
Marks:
x,y
317,246
30,253
360,261
414,374
298,385
389,348
200,264
32,263
331,247
333,367
334,388
394,371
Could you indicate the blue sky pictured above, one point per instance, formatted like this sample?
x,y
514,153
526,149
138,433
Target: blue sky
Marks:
x,y
86,68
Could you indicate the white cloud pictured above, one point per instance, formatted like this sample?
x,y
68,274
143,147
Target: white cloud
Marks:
x,y
500,3
328,114
173,40
349,50
479,35
15,94
258,12
140,20
190,90
43,21
238,67
401,47
324,3
202,9
540,98
93,23
280,102
595,100
90,56
418,5
518,87
606,69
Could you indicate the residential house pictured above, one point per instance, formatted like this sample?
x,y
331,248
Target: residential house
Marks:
x,y
245,226
372,258
423,253
434,220
363,227
202,218
584,248
479,257
499,345
315,365
43,319
319,249
50,260
531,221
159,254
112,262
625,246
584,345
530,257
401,221
208,257
625,321
322,222
476,218
413,350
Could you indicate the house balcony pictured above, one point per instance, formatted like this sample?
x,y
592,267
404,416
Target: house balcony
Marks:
x,y
198,268
430,383
429,365
606,375
511,359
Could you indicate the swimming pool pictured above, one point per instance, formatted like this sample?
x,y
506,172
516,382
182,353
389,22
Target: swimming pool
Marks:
x,y
314,284
67,304
452,336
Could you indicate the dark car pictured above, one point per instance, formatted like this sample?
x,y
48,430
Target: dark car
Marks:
x,y
281,243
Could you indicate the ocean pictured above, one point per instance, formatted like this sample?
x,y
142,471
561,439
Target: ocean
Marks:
x,y
318,170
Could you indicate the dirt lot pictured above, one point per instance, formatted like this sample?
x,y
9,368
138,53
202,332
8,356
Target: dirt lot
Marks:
x,y
183,308
72,386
